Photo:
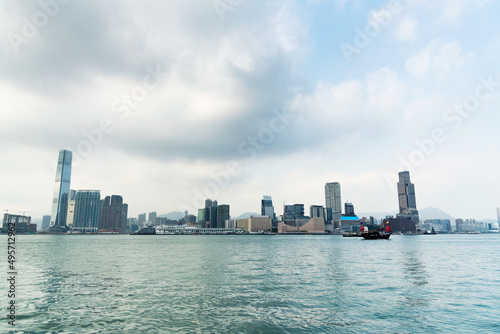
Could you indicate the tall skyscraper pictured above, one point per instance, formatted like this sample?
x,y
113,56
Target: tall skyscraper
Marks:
x,y
87,206
112,210
333,200
61,192
406,196
222,215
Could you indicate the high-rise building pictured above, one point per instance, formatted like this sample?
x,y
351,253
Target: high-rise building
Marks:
x,y
349,210
406,196
222,215
288,212
333,200
152,218
111,214
316,211
298,211
87,206
210,214
141,219
498,217
267,209
71,207
61,192
45,222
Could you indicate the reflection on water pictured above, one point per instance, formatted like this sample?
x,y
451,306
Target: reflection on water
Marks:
x,y
260,284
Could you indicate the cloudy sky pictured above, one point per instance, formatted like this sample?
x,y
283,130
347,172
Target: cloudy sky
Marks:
x,y
170,102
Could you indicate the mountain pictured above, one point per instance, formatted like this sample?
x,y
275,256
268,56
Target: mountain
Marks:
x,y
423,214
247,214
173,215
434,213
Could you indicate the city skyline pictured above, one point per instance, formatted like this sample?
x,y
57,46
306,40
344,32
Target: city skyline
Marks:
x,y
279,102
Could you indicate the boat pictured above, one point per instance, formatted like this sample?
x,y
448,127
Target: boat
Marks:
x,y
351,234
377,234
430,232
150,230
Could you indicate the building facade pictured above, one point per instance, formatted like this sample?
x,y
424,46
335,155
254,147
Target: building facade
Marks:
x,y
333,199
87,207
60,199
113,215
316,211
222,215
407,199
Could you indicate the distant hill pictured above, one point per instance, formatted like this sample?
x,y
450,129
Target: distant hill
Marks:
x,y
423,214
434,213
173,215
246,215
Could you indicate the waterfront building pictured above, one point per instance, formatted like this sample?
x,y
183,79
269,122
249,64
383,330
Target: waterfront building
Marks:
x,y
267,209
111,216
222,215
22,224
86,215
305,225
458,222
402,225
71,207
152,218
349,209
209,214
59,213
45,222
252,224
316,211
141,219
439,225
333,199
406,197
498,216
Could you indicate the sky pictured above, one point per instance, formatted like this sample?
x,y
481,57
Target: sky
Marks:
x,y
168,103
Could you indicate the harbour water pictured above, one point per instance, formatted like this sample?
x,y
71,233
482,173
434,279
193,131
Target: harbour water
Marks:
x,y
254,284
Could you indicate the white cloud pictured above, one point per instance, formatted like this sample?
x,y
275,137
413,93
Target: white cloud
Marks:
x,y
407,30
438,59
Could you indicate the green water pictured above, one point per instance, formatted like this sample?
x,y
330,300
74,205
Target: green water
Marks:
x,y
254,284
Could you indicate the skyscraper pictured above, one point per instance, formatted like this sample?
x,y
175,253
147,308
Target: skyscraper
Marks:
x,y
45,222
406,196
498,217
61,192
267,209
333,200
86,215
349,210
210,214
222,215
152,218
112,210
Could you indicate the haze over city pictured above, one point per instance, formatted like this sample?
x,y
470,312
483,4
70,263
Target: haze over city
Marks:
x,y
156,101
